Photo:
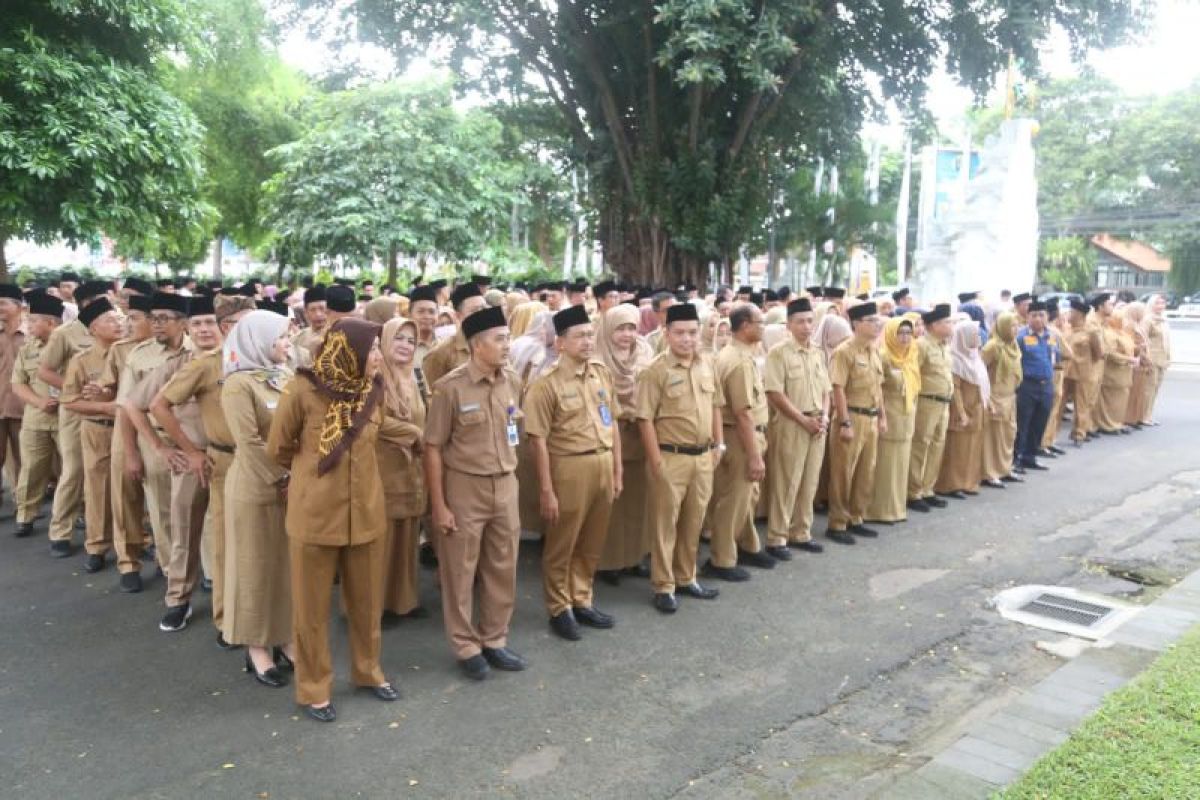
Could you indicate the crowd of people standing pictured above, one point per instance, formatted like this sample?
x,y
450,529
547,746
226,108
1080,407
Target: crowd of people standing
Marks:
x,y
267,445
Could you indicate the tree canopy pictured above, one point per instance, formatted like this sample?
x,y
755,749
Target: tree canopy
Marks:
x,y
677,108
90,140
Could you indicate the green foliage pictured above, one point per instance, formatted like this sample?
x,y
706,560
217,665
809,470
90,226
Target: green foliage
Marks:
x,y
1068,263
1184,250
391,168
677,109
90,140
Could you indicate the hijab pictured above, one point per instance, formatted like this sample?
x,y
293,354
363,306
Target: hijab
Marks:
x,y
975,312
624,367
339,372
533,353
522,316
380,310
904,358
399,391
830,332
248,346
965,361
1004,345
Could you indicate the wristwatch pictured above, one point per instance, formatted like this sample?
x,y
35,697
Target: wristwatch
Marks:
x,y
846,424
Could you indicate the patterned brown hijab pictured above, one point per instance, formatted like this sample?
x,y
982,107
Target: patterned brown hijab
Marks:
x,y
339,372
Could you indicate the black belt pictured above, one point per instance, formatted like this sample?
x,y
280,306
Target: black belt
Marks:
x,y
760,428
596,452
937,397
108,423
222,448
817,414
686,449
866,412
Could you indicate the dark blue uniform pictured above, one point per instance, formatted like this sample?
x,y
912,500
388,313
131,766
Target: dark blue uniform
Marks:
x,y
1035,396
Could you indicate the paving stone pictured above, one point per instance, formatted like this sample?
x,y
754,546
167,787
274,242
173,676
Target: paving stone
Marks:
x,y
996,753
1086,674
1013,739
979,767
1072,704
1049,736
1063,691
1127,662
958,783
917,787
1043,714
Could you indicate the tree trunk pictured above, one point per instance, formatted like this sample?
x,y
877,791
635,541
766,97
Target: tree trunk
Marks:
x,y
393,264
216,259
3,257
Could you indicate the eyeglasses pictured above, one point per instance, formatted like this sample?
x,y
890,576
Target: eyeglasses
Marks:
x,y
163,319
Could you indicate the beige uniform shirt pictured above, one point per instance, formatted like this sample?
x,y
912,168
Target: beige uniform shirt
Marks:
x,y
741,384
66,341
799,374
25,371
469,418
858,369
200,380
449,353
1159,345
934,358
11,406
572,407
83,369
680,399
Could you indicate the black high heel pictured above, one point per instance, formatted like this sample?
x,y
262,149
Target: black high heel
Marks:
x,y
272,677
282,662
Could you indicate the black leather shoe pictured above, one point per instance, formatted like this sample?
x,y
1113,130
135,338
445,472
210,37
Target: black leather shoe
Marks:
x,y
131,582
666,602
1017,470
271,677
225,644
1035,466
697,591
609,576
593,617
1078,443
23,530
176,618
1125,430
1045,453
731,574
993,483
282,662
778,552
935,502
1108,432
60,549
505,659
1058,451
565,626
1010,478
955,495
841,537
476,667
864,531
918,504
323,714
427,556
93,563
759,559
385,692
810,546
206,585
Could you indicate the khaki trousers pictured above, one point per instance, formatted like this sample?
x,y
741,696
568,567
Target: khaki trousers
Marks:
x,y
189,506
38,449
1087,394
96,439
483,552
734,499
572,546
929,441
68,492
794,458
1092,393
398,584
214,532
156,483
852,473
128,506
1056,409
679,497
1156,379
313,570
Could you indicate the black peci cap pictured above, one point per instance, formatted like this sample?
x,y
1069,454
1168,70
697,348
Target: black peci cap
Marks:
x,y
340,298
900,294
799,306
275,307
201,306
426,293
862,310
940,311
138,285
570,317
94,310
140,302
833,292
1100,299
314,295
682,312
1021,298
166,301
12,292
464,291
966,297
483,320
1079,305
45,304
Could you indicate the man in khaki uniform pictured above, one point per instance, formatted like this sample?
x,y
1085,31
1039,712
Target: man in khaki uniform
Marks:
x,y
148,456
39,423
104,324
452,351
933,410
569,413
659,303
1102,309
1087,356
12,339
680,424
67,341
737,480
423,311
856,373
471,437
1057,326
797,386
316,314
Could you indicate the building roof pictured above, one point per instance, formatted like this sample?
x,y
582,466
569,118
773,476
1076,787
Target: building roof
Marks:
x,y
1135,253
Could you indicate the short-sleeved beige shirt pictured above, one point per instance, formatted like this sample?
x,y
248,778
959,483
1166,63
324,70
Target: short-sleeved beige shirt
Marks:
x,y
934,358
798,373
25,371
680,399
572,407
741,383
858,369
469,415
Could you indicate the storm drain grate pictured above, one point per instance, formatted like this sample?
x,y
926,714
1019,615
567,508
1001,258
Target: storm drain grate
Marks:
x,y
1065,609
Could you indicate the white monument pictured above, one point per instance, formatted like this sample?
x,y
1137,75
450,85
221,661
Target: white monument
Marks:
x,y
977,221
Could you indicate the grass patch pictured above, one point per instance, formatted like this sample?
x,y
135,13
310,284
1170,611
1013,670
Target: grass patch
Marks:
x,y
1143,743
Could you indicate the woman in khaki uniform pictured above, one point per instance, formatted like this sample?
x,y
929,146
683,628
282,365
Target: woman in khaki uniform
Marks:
x,y
626,354
962,463
1136,409
1120,358
257,598
1158,337
400,468
1002,357
325,431
830,332
901,384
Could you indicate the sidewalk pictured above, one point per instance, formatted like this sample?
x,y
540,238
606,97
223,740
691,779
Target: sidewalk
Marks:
x,y
996,751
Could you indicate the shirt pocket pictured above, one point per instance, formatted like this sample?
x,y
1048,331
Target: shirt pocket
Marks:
x,y
677,397
470,418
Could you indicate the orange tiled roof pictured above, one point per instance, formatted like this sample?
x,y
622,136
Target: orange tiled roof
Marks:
x,y
1139,254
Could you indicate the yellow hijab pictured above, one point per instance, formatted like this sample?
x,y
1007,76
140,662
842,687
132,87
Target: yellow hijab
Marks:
x,y
1003,343
904,358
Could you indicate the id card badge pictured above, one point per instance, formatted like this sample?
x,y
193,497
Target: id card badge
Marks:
x,y
605,413
514,437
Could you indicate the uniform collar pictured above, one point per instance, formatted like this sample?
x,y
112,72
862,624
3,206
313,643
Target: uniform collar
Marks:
x,y
574,366
476,374
800,348
674,360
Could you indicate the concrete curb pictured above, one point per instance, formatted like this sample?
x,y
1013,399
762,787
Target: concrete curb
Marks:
x,y
996,751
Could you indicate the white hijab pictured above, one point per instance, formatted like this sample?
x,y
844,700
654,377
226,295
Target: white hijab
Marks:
x,y
248,346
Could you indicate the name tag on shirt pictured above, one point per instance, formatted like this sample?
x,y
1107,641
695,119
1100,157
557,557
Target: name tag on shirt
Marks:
x,y
1031,340
468,408
514,438
271,404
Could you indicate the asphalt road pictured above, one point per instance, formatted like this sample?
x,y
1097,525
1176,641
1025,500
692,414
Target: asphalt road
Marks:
x,y
96,702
